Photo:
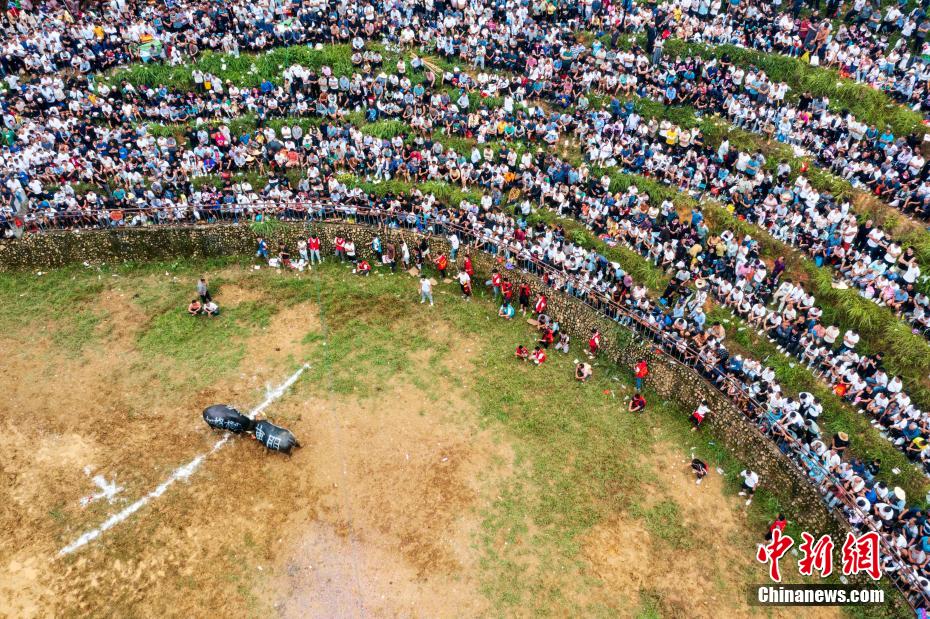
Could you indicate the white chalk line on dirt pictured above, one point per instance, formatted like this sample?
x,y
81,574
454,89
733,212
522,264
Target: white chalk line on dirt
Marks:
x,y
183,472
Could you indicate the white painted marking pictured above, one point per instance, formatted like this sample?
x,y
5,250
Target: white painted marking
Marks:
x,y
183,472
108,490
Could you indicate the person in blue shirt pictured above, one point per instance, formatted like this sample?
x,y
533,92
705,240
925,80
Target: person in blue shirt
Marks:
x,y
696,216
262,251
671,95
506,310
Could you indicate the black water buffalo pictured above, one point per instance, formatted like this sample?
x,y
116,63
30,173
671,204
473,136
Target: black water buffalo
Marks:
x,y
274,437
223,417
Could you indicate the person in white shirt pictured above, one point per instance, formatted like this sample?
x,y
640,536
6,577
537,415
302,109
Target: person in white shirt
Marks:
x,y
850,339
750,481
426,290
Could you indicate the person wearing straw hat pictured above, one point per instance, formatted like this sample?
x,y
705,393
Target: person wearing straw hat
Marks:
x,y
840,442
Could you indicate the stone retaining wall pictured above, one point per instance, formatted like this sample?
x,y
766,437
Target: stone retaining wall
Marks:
x,y
668,378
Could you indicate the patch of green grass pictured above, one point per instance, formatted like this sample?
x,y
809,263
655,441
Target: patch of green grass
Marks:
x,y
664,522
77,331
244,70
649,607
866,103
213,344
29,297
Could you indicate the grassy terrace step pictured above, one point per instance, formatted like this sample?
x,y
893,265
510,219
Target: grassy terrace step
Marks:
x,y
906,230
866,103
270,66
906,353
244,70
837,416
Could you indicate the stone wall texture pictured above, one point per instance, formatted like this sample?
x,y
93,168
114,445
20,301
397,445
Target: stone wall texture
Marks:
x,y
667,377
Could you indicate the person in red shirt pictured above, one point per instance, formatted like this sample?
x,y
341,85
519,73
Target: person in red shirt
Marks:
x,y
548,336
313,245
539,355
468,266
637,404
594,344
641,370
507,290
442,263
363,268
541,304
523,352
340,248
496,281
697,417
780,523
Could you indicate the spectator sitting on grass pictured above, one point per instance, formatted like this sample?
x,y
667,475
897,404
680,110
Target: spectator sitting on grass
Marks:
x,y
547,337
506,311
778,524
637,404
211,309
523,352
195,308
363,267
539,354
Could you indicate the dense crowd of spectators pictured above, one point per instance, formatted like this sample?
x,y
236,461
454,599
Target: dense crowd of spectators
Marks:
x,y
535,89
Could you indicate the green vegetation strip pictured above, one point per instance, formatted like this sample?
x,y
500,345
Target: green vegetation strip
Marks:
x,y
866,103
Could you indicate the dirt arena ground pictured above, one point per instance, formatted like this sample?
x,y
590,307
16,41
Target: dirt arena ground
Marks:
x,y
436,478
